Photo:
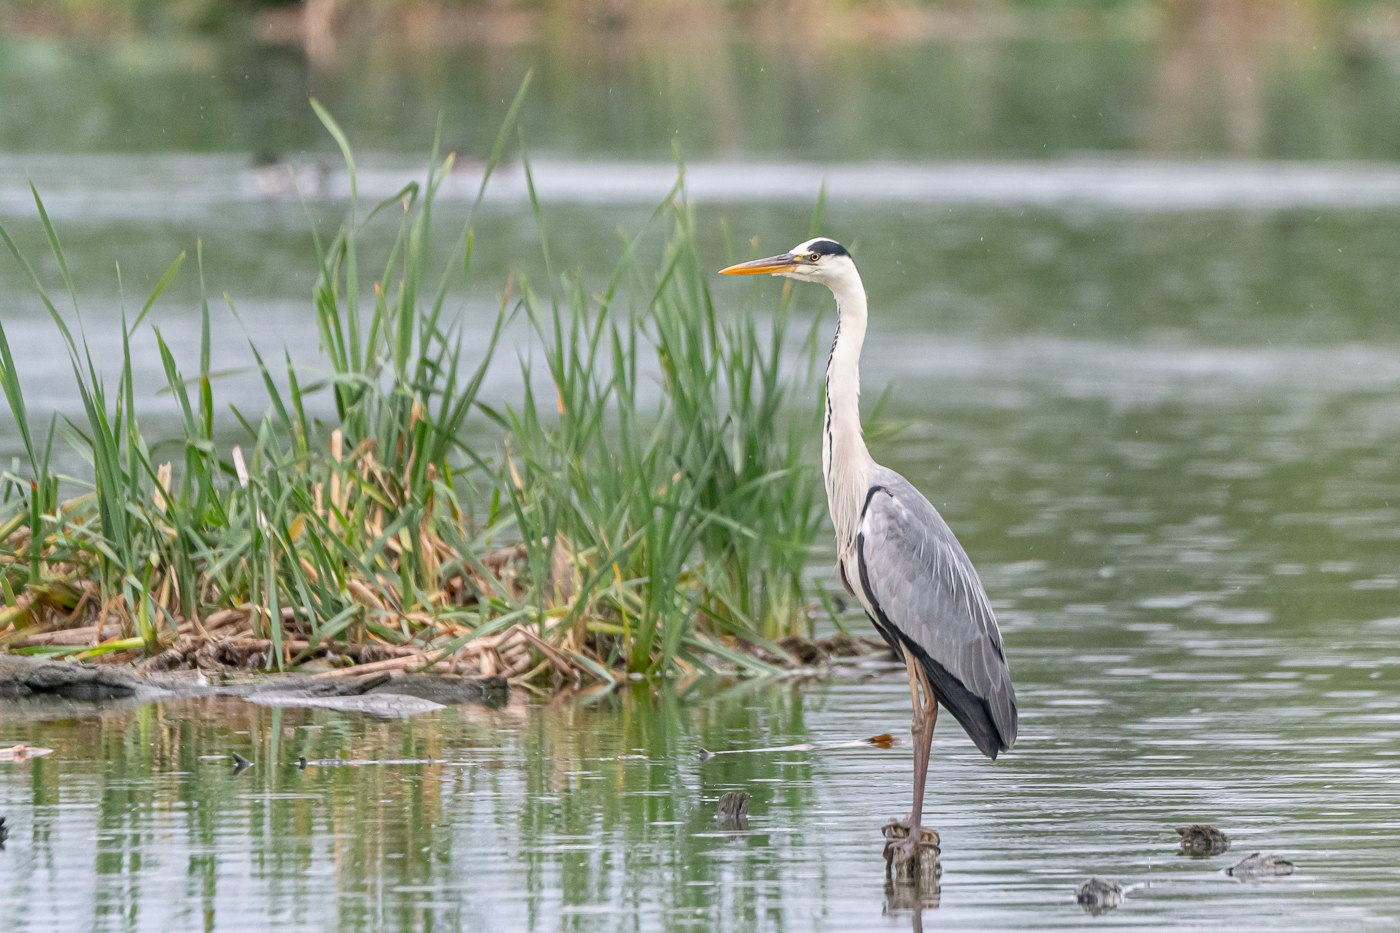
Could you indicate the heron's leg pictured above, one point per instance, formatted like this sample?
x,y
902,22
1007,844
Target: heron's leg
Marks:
x,y
925,717
914,670
905,840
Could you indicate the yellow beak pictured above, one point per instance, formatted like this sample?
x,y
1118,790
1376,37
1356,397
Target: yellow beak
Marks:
x,y
780,263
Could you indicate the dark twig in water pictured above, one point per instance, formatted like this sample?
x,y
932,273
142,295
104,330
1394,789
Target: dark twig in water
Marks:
x,y
733,811
4,832
240,764
1200,840
1099,895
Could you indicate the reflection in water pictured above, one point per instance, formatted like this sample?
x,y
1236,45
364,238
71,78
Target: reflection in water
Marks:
x,y
917,895
1209,71
913,898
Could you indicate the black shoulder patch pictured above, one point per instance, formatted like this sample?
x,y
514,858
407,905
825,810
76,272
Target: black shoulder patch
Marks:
x,y
828,248
865,507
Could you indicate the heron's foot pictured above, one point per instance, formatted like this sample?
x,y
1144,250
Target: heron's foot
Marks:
x,y
896,830
910,857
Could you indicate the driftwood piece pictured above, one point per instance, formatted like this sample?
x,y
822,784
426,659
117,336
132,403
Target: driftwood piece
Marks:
x,y
24,677
86,635
401,663
1259,865
387,705
27,679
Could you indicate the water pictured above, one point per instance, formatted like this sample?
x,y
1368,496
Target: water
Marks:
x,y
1192,553
1155,394
598,813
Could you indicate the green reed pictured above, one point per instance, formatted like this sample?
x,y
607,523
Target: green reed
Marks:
x,y
654,513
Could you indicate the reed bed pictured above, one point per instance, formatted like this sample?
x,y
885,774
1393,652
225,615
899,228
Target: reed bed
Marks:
x,y
595,533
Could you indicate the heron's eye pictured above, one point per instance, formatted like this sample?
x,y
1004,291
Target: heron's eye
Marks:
x,y
813,257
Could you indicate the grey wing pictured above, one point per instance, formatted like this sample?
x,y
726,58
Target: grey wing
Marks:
x,y
921,585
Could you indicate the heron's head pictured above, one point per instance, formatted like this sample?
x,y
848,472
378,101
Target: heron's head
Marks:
x,y
817,260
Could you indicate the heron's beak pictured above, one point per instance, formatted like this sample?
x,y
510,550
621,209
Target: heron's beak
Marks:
x,y
783,262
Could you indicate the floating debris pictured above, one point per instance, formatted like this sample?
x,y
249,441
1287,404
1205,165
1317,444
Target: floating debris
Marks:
x,y
240,764
4,832
1200,840
1099,895
733,811
1258,865
373,704
18,753
883,740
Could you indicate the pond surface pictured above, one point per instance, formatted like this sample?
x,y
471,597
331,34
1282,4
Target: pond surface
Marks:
x,y
1157,396
598,813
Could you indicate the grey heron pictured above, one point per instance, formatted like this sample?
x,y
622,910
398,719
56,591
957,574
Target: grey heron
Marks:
x,y
898,557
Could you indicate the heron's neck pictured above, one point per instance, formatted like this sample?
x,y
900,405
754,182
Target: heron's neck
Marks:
x,y
846,463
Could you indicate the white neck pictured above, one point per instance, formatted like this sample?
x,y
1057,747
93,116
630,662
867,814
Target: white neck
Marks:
x,y
846,463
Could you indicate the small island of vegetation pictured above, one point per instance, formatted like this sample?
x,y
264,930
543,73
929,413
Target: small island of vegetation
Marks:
x,y
380,514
